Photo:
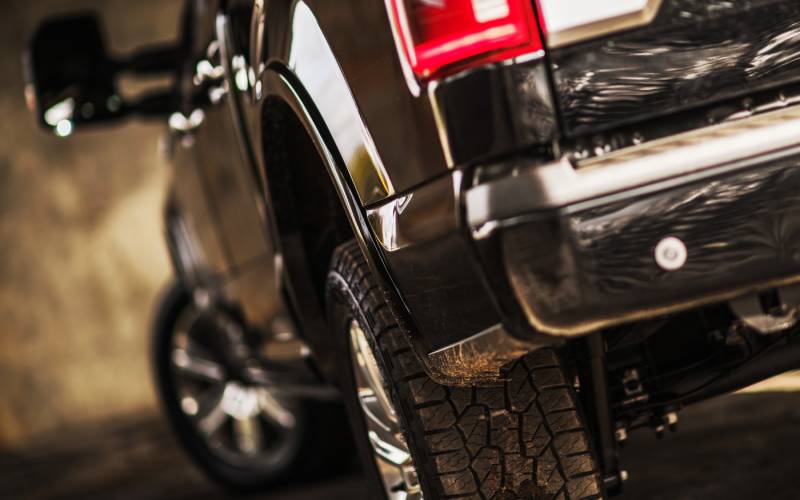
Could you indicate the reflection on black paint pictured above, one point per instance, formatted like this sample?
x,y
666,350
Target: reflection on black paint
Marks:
x,y
598,265
692,54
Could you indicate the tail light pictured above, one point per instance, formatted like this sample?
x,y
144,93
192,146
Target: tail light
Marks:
x,y
438,36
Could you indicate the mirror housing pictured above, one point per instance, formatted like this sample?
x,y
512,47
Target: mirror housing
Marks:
x,y
71,80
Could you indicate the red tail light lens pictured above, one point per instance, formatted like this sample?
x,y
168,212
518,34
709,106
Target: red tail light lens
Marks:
x,y
440,35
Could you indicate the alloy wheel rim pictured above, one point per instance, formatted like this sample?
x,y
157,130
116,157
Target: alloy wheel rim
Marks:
x,y
241,423
389,448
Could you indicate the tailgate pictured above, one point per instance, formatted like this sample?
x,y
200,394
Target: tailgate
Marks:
x,y
676,55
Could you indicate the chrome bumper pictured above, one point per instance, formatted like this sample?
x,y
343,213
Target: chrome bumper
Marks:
x,y
672,224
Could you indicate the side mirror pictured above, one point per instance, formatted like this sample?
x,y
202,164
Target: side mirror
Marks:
x,y
72,81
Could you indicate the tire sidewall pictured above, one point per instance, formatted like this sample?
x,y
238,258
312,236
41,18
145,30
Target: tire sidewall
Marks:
x,y
343,308
234,477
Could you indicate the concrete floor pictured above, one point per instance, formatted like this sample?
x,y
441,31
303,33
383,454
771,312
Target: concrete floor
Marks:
x,y
739,447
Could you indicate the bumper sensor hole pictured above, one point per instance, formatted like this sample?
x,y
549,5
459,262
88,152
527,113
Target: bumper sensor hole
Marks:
x,y
671,254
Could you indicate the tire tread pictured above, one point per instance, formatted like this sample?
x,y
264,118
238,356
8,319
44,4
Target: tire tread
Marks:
x,y
523,439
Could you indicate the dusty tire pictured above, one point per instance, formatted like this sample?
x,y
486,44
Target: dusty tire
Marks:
x,y
523,439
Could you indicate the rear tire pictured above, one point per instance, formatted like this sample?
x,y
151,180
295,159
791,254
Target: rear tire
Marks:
x,y
316,442
524,438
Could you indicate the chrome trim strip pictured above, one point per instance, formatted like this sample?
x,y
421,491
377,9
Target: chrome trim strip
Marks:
x,y
560,18
421,216
683,158
405,64
441,124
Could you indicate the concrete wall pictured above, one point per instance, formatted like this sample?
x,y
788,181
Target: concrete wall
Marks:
x,y
81,251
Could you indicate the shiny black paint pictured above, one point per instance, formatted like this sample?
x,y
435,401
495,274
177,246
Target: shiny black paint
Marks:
x,y
343,56
499,108
350,81
192,229
693,53
386,160
579,266
384,133
216,156
296,275
598,144
431,262
368,121
400,116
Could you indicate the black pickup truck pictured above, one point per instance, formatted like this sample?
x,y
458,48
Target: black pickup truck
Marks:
x,y
502,234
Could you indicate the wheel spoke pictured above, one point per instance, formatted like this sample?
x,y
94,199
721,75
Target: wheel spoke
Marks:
x,y
274,411
390,450
387,442
231,416
212,414
373,409
248,435
369,377
193,365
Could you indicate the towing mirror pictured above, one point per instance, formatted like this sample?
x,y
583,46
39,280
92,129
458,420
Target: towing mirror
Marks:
x,y
71,80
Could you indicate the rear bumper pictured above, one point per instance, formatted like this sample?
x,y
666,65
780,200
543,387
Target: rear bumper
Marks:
x,y
573,248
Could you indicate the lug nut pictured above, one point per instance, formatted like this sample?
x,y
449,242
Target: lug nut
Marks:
x,y
672,420
621,434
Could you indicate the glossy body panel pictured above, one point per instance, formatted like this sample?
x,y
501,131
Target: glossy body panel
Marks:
x,y
495,109
294,274
431,262
218,155
230,187
194,223
691,54
694,155
312,61
254,293
394,151
195,239
585,147
576,270
343,55
313,134
391,137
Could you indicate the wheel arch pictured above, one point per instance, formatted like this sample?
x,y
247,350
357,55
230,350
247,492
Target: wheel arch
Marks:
x,y
288,109
296,65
